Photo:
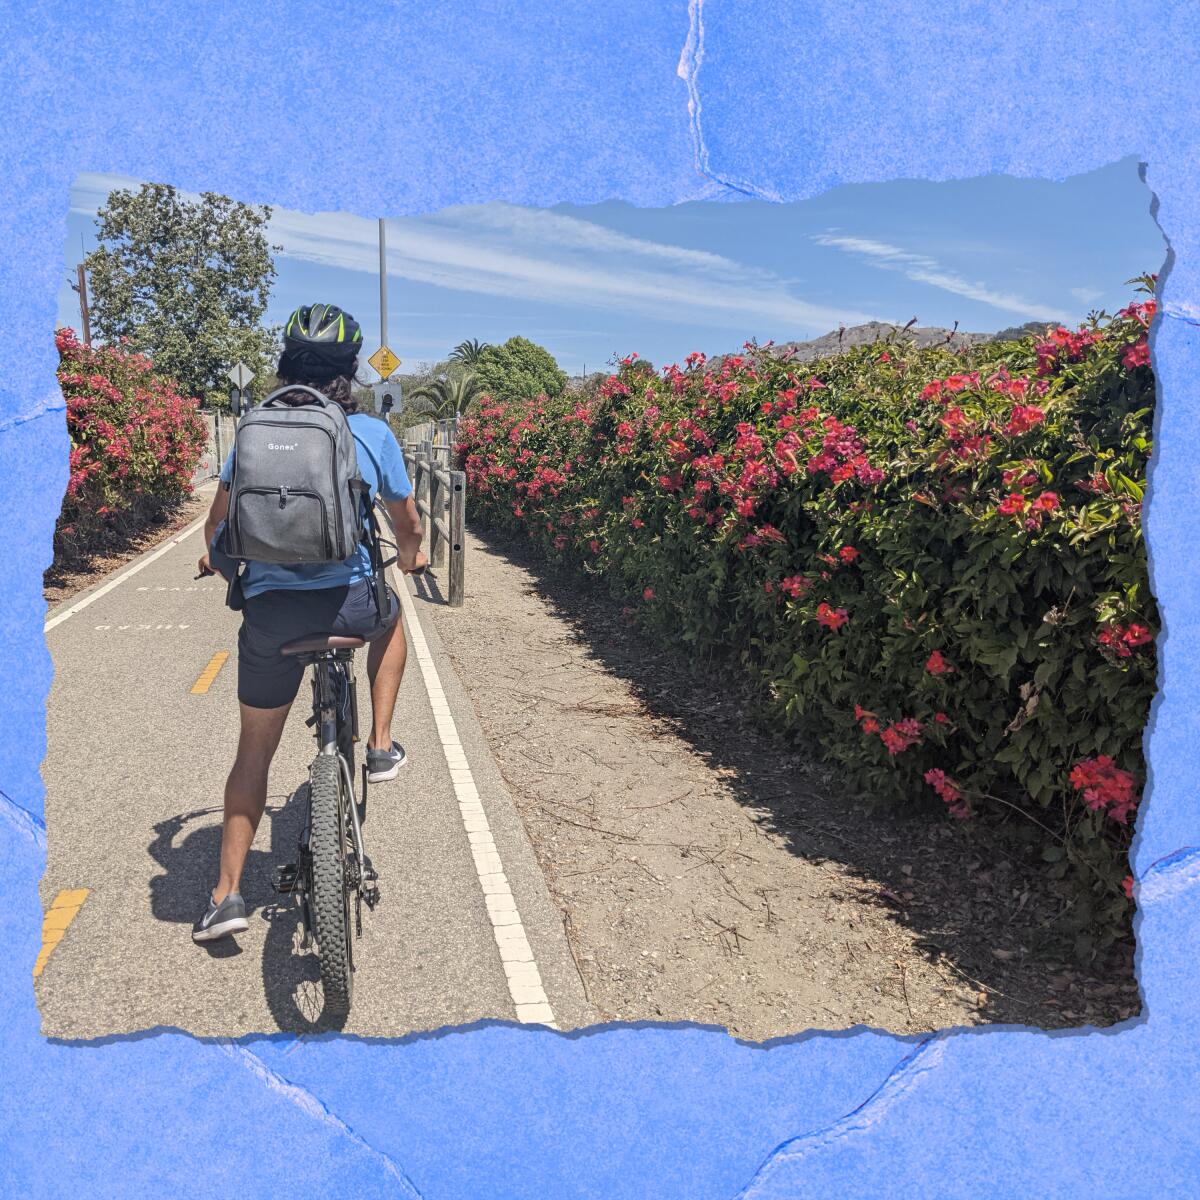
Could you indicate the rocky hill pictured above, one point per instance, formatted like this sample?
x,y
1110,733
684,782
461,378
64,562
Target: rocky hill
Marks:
x,y
850,336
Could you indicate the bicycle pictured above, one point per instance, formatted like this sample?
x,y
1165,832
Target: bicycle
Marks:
x,y
332,873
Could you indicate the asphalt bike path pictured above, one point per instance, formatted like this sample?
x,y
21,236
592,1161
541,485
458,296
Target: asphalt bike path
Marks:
x,y
141,730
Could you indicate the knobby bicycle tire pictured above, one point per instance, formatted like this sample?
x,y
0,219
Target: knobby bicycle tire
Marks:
x,y
330,898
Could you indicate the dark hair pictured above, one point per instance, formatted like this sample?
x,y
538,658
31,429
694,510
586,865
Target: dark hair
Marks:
x,y
339,388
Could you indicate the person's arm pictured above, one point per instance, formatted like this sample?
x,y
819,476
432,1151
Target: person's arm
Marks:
x,y
396,495
218,511
406,521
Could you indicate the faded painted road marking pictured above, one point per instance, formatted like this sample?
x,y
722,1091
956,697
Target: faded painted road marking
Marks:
x,y
104,589
516,955
209,673
142,628
147,588
54,924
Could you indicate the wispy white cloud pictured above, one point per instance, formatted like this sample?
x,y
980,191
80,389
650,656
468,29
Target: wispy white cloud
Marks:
x,y
920,268
512,253
530,254
1087,295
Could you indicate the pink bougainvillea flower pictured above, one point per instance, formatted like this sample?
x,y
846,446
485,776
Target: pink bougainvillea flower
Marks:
x,y
1046,502
1127,887
648,594
1014,503
870,725
847,554
941,718
1137,355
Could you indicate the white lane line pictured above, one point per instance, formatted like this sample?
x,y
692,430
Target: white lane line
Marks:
x,y
80,605
516,956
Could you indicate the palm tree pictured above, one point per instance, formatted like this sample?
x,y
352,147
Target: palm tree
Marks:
x,y
447,396
468,352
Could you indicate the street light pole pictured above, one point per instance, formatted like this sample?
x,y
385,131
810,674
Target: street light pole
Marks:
x,y
382,287
81,288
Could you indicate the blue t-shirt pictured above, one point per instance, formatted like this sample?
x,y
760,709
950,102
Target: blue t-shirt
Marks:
x,y
375,446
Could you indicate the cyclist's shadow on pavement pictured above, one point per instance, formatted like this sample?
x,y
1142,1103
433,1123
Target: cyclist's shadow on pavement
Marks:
x,y
291,977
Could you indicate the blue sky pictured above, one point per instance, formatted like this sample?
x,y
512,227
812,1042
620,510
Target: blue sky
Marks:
x,y
610,279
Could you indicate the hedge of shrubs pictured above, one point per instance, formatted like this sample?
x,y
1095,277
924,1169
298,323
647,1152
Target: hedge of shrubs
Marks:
x,y
135,443
930,562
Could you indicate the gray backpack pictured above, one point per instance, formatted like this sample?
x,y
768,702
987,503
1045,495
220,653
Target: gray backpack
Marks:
x,y
296,495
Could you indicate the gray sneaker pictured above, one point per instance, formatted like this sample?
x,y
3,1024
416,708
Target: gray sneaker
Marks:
x,y
221,919
383,765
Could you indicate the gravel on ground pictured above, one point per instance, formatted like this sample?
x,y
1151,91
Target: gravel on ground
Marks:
x,y
706,873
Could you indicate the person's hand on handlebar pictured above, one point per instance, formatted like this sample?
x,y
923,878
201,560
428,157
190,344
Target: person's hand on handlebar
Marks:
x,y
417,566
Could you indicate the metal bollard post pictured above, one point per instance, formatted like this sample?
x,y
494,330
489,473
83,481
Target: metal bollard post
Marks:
x,y
458,514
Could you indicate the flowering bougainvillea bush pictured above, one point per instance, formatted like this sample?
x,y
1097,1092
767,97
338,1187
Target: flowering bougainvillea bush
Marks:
x,y
931,562
135,442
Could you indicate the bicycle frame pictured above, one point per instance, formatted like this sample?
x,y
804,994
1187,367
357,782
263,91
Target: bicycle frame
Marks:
x,y
335,708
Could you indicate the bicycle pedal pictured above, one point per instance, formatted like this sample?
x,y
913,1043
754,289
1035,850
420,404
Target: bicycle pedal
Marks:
x,y
286,878
371,896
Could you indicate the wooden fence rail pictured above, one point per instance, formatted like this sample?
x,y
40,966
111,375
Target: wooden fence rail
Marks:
x,y
441,496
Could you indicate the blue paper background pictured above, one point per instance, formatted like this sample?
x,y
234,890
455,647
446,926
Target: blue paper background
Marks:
x,y
392,109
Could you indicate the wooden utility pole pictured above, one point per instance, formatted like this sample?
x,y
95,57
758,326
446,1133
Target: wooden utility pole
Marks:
x,y
81,288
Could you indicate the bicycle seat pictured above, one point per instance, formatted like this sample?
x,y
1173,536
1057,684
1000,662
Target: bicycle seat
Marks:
x,y
315,643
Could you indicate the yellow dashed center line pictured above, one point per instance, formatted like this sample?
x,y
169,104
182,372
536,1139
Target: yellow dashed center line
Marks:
x,y
54,923
209,673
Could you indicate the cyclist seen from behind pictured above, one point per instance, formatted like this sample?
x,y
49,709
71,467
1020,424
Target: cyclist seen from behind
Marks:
x,y
280,602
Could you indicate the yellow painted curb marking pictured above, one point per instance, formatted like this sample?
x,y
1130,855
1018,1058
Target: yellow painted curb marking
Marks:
x,y
54,923
209,673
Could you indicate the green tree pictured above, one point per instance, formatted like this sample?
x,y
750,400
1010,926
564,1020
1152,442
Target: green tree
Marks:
x,y
447,396
519,370
187,283
468,352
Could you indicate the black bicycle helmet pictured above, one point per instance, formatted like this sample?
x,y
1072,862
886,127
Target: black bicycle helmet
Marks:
x,y
320,341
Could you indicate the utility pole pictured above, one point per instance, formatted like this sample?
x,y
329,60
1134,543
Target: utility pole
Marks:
x,y
81,288
383,328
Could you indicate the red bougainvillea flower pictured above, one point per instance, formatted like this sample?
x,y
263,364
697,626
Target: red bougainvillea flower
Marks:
x,y
1024,418
949,791
847,554
870,725
936,664
1127,887
594,546
941,718
1046,502
795,585
648,594
1137,355
1106,787
1122,639
1015,478
831,618
1014,503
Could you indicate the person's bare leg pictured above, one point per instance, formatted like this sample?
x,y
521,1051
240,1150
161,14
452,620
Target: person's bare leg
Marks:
x,y
385,669
246,791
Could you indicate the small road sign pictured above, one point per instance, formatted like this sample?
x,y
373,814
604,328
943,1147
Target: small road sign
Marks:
x,y
240,375
384,361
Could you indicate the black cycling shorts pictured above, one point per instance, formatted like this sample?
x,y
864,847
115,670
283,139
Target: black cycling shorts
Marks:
x,y
268,680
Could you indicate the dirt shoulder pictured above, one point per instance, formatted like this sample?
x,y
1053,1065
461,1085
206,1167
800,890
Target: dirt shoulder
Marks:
x,y
706,874
63,581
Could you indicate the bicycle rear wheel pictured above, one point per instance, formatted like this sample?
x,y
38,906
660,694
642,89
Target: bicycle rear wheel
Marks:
x,y
330,894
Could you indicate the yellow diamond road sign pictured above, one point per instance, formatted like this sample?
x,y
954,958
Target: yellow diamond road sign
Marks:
x,y
384,361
